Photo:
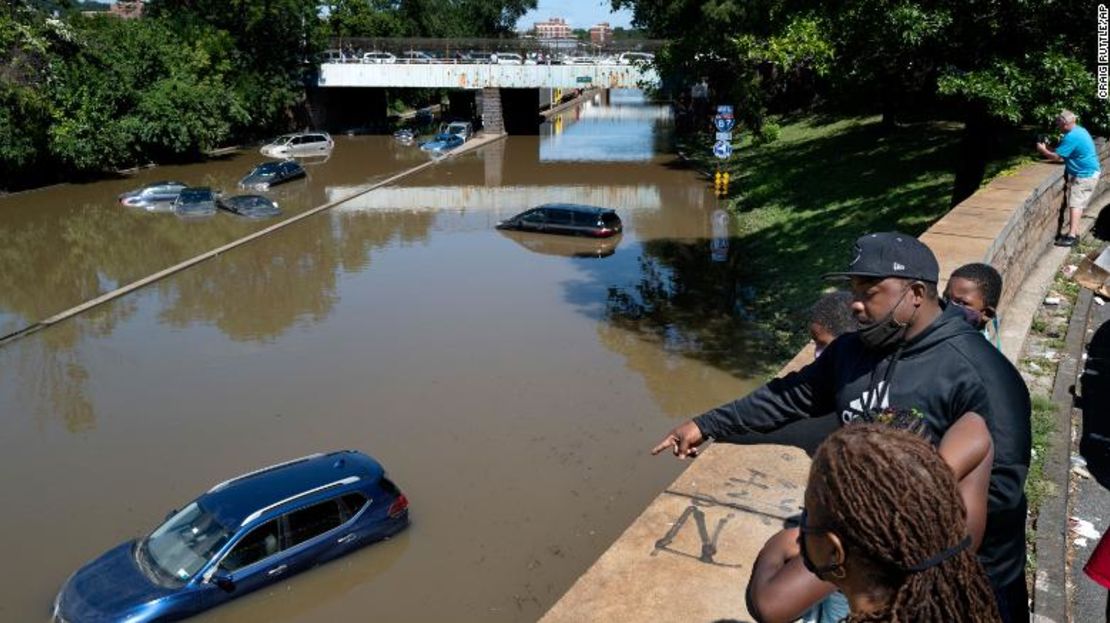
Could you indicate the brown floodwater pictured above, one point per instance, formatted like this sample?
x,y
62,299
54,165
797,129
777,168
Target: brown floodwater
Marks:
x,y
511,385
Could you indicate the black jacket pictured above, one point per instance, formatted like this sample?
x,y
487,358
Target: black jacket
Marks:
x,y
944,372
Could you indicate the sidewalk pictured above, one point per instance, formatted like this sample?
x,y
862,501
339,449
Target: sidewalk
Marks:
x,y
1090,495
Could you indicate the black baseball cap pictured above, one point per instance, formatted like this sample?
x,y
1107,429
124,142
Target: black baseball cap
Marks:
x,y
891,254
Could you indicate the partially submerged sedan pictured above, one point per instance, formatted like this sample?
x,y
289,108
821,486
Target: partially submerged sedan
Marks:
x,y
250,206
567,219
243,534
153,196
270,174
450,136
195,201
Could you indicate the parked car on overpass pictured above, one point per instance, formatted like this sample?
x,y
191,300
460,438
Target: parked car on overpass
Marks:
x,y
509,58
379,58
628,58
417,57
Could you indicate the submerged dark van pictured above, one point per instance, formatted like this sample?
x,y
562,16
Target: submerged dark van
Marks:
x,y
567,219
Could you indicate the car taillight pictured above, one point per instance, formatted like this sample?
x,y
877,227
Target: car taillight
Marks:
x,y
604,231
398,506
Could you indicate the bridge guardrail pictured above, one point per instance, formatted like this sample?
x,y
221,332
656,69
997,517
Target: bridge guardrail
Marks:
x,y
463,51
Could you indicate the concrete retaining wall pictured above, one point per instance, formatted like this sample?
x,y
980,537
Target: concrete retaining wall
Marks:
x,y
688,556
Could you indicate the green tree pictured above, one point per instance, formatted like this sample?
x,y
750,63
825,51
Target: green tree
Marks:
x,y
24,110
274,42
366,18
987,63
137,90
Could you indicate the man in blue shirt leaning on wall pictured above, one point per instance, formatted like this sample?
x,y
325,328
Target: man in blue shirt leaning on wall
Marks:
x,y
1077,151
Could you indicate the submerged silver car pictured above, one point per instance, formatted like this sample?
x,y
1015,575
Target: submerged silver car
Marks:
x,y
298,145
154,196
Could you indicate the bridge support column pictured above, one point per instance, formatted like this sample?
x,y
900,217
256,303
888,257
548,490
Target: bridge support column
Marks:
x,y
493,120
605,96
521,110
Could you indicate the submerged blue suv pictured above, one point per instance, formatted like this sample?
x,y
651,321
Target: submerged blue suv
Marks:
x,y
243,534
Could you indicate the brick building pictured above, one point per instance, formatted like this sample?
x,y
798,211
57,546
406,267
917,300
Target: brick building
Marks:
x,y
601,33
128,9
554,28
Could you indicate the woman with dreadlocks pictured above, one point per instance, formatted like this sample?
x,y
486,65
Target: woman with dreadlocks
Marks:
x,y
883,521
781,589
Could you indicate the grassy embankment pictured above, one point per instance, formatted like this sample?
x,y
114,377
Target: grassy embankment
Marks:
x,y
801,201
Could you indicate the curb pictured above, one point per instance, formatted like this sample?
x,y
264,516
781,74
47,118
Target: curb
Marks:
x,y
1050,600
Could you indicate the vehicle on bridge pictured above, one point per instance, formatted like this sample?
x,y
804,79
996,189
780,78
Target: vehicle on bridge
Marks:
x,y
508,58
629,58
270,174
417,57
243,534
250,206
567,219
195,201
153,197
379,58
450,136
300,144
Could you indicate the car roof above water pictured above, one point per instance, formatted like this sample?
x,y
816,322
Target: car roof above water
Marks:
x,y
235,500
577,207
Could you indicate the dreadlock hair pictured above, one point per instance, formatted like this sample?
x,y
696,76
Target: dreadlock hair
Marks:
x,y
893,501
985,277
833,312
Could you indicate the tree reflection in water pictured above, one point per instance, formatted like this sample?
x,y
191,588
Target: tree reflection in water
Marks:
x,y
690,305
255,292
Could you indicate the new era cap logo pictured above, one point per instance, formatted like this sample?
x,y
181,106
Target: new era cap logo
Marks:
x,y
898,266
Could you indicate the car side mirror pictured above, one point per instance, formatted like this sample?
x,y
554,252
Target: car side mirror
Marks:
x,y
225,582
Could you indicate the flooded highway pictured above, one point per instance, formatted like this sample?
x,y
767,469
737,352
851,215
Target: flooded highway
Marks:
x,y
511,384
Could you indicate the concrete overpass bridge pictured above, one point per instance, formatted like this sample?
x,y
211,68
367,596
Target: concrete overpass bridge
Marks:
x,y
502,95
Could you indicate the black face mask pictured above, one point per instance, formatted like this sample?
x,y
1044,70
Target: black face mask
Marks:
x,y
807,562
886,332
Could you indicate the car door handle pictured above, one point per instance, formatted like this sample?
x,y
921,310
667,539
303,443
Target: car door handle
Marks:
x,y
276,570
348,538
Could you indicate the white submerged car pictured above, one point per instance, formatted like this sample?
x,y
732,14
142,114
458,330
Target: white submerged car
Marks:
x,y
299,145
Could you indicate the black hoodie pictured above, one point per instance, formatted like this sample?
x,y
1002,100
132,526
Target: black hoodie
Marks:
x,y
944,372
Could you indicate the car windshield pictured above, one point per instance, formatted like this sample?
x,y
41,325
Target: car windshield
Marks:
x,y
195,196
180,547
281,140
456,128
269,169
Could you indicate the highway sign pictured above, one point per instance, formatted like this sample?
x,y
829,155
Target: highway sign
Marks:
x,y
724,124
584,79
724,111
722,150
725,136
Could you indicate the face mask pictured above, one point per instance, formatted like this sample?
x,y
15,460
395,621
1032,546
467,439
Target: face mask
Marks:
x,y
807,562
886,332
973,317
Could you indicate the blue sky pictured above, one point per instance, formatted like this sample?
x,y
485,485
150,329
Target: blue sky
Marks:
x,y
578,13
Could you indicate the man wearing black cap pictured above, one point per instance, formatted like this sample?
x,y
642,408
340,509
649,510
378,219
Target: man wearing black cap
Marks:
x,y
910,354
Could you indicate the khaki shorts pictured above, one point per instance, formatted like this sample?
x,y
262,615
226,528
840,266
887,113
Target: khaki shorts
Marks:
x,y
1080,190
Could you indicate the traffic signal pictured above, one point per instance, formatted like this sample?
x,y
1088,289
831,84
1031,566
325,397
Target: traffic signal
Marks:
x,y
720,184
